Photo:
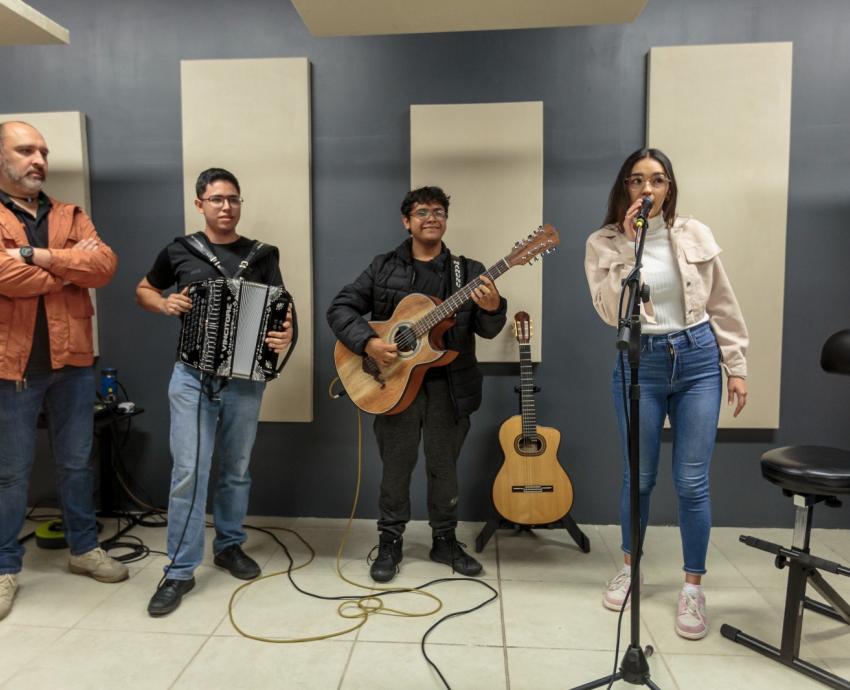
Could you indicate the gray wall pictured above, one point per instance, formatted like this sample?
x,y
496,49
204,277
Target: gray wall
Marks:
x,y
122,69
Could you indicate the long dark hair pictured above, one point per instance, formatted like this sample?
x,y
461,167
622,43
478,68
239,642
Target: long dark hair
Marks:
x,y
619,200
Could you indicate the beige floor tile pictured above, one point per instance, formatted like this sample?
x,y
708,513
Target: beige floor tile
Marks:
x,y
756,566
823,636
56,560
840,667
557,630
481,627
358,525
556,669
242,664
325,544
705,672
21,644
552,555
841,583
89,659
558,615
50,595
662,561
417,547
200,612
836,539
359,542
273,521
741,607
272,608
258,546
391,666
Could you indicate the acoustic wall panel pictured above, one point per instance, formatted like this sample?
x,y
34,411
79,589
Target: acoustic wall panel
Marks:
x,y
252,117
723,115
68,167
488,157
20,24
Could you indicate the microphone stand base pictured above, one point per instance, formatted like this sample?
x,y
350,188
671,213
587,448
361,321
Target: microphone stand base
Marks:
x,y
634,670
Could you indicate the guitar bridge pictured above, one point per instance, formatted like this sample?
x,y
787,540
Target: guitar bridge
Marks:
x,y
370,366
532,489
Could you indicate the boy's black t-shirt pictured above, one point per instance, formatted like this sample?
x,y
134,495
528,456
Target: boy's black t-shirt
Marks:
x,y
178,265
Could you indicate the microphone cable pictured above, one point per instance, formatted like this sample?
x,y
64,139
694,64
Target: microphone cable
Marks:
x,y
357,607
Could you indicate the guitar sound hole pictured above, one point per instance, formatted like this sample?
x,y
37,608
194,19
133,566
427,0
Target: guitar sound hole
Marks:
x,y
530,445
405,339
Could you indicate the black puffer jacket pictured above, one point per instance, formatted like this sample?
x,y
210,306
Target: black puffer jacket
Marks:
x,y
382,286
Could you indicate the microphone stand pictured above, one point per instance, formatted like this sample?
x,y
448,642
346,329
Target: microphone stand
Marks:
x,y
634,668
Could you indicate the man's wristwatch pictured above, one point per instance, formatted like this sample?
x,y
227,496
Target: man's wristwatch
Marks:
x,y
27,254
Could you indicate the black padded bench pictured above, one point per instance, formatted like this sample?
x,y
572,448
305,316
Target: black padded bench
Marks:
x,y
810,475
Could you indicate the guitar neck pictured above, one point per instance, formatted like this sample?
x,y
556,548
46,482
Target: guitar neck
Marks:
x,y
526,397
445,309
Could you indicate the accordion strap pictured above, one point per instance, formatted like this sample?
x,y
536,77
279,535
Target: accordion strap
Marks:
x,y
243,265
195,243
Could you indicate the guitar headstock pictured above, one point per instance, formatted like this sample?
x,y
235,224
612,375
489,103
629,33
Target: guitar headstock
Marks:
x,y
542,241
522,327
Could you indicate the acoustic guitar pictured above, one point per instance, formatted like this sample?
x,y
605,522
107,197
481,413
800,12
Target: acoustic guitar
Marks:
x,y
531,488
417,326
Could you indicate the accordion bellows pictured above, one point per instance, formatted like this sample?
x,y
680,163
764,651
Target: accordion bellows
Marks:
x,y
224,333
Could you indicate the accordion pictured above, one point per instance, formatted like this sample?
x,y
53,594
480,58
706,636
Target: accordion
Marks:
x,y
224,333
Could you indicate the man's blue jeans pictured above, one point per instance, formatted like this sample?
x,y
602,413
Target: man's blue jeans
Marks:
x,y
68,398
679,376
228,426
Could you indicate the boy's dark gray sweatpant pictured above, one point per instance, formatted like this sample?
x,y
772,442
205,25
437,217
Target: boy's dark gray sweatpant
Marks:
x,y
430,418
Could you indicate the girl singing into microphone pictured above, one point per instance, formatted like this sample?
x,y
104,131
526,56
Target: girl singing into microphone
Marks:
x,y
692,328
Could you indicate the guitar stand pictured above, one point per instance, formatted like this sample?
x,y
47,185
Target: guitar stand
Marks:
x,y
496,521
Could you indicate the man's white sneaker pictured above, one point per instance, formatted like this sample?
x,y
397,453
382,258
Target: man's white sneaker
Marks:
x,y
8,587
691,621
98,565
618,587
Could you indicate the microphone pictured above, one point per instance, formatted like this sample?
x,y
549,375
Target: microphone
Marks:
x,y
645,207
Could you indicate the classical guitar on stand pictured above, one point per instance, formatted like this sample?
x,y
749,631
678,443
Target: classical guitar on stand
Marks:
x,y
417,327
531,488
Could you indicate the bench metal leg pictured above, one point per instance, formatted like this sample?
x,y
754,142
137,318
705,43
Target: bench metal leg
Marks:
x,y
802,570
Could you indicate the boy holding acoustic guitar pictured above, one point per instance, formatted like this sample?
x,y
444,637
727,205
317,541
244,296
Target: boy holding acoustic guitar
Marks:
x,y
437,397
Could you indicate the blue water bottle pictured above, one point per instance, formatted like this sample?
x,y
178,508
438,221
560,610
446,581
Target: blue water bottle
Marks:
x,y
108,384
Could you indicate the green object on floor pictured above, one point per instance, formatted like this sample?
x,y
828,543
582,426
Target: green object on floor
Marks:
x,y
51,535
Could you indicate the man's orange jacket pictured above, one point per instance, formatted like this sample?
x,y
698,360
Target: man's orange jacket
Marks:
x,y
64,288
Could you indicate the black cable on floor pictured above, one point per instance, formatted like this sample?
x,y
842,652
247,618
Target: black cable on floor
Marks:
x,y
405,590
453,615
137,548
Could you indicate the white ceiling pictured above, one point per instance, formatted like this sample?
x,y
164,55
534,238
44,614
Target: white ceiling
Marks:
x,y
374,17
20,24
